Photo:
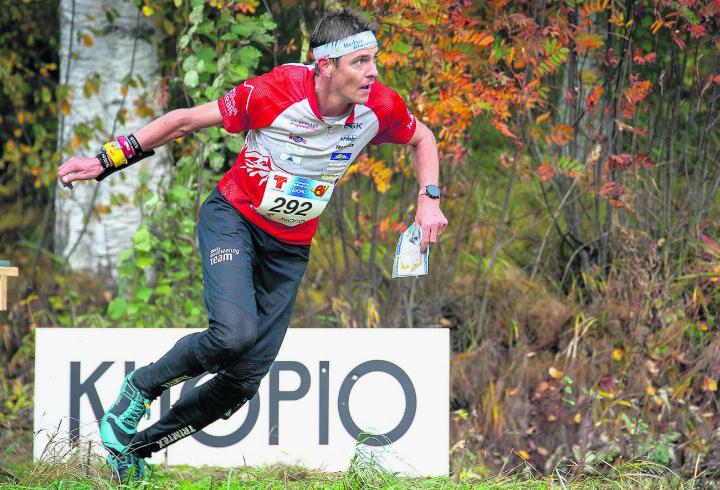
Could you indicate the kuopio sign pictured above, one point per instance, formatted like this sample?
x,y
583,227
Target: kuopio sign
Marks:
x,y
326,388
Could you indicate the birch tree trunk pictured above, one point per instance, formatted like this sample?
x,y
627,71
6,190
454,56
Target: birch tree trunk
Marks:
x,y
86,238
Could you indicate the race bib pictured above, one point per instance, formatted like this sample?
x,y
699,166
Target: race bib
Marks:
x,y
292,200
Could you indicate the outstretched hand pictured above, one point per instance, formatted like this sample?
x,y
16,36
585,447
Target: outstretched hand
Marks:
x,y
79,168
431,219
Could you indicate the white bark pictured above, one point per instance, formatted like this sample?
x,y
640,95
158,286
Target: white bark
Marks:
x,y
86,239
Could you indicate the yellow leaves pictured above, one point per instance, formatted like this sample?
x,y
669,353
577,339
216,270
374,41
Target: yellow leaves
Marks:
x,y
586,41
523,454
638,91
560,134
709,384
542,117
46,69
65,107
142,109
617,18
390,59
91,85
594,7
373,168
247,6
25,117
657,25
479,39
555,373
372,316
147,10
87,40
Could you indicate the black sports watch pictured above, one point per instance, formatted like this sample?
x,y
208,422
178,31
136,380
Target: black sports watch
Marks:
x,y
432,191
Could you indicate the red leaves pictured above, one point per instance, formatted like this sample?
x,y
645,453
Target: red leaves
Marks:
x,y
698,31
592,99
546,172
613,192
623,161
503,128
648,59
633,95
618,162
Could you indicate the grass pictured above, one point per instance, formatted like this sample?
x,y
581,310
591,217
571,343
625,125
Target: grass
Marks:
x,y
78,474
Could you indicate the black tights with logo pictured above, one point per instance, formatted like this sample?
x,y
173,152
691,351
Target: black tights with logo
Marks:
x,y
250,281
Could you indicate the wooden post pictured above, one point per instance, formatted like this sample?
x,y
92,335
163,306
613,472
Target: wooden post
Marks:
x,y
5,272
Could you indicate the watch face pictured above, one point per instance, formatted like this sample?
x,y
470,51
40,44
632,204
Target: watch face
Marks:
x,y
433,191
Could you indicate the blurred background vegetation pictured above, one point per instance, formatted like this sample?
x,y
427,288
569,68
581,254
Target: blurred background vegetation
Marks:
x,y
579,273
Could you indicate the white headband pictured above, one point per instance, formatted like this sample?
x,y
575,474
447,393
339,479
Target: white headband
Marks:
x,y
345,46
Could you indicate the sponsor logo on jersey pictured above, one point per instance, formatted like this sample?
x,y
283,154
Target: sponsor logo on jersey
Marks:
x,y
280,181
304,124
229,101
294,159
297,139
294,149
340,156
353,125
348,137
344,147
412,119
319,191
256,164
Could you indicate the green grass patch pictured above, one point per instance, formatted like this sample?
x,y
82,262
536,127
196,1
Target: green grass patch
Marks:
x,y
91,473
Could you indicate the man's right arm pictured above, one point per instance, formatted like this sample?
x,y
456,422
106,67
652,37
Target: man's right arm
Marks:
x,y
175,124
178,123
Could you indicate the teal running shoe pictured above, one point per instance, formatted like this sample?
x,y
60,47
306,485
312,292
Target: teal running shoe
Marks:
x,y
119,424
128,467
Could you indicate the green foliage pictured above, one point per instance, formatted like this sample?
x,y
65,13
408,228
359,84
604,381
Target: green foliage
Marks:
x,y
29,95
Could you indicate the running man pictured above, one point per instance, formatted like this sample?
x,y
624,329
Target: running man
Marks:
x,y
305,125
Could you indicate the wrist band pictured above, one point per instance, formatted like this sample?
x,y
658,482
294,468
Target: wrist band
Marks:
x,y
131,161
104,160
126,147
134,143
115,153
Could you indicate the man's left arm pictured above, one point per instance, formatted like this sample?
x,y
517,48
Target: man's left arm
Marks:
x,y
427,170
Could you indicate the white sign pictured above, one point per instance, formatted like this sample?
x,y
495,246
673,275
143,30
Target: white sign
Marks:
x,y
325,387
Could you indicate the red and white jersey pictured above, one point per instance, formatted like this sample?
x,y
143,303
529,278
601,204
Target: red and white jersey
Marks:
x,y
288,135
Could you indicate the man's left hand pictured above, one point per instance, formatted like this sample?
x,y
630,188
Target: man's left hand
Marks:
x,y
431,219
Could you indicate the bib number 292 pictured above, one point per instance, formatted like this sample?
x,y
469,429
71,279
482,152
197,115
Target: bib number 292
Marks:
x,y
291,200
290,206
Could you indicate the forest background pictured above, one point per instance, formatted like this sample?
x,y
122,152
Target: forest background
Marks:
x,y
579,273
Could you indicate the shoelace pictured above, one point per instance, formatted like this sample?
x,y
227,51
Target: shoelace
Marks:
x,y
138,409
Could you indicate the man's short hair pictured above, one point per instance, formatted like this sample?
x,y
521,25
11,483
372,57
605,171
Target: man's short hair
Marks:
x,y
339,24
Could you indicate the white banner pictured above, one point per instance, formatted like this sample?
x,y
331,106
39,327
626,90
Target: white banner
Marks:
x,y
325,387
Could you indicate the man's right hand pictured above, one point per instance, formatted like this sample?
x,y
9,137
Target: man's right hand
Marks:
x,y
79,168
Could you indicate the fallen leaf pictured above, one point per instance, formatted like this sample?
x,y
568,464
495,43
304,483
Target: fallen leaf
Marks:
x,y
709,384
523,454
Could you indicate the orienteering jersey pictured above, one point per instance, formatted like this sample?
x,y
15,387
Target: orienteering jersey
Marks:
x,y
292,157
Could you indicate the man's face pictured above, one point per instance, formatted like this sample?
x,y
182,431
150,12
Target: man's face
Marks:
x,y
353,75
